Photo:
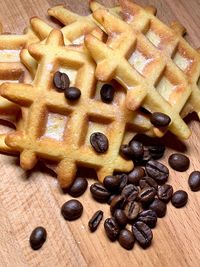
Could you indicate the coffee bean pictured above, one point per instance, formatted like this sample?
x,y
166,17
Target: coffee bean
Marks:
x,y
148,182
99,192
99,142
111,198
157,171
165,192
61,81
112,183
142,233
194,181
148,217
95,220
38,237
78,187
107,93
131,210
125,151
120,218
146,157
179,199
72,210
147,194
135,176
137,149
130,192
126,239
156,151
118,202
72,93
112,229
179,162
159,119
124,180
159,207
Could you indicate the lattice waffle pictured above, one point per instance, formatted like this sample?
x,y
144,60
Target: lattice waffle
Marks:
x,y
150,76
59,130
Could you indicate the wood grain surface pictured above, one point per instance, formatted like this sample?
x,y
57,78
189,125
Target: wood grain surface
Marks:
x,y
30,199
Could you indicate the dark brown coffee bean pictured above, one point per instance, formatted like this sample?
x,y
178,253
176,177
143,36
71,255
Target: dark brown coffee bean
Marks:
x,y
99,192
38,237
124,180
130,192
147,194
111,198
126,239
137,149
78,187
179,199
194,181
99,142
148,217
95,220
120,218
135,176
132,210
125,151
157,151
118,202
165,192
146,157
159,207
112,229
72,93
72,210
142,233
157,171
179,162
148,182
61,81
107,93
112,183
159,119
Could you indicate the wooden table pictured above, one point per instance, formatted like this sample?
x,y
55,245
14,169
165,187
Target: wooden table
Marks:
x,y
29,199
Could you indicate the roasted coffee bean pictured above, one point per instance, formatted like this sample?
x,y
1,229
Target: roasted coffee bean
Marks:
x,y
132,210
124,180
165,192
72,93
107,93
95,220
112,229
126,239
112,183
78,187
157,151
142,233
61,81
72,210
38,237
159,119
179,162
99,142
130,192
194,181
148,182
157,171
147,194
120,218
125,150
148,217
137,149
118,202
135,176
179,199
111,198
159,207
146,157
99,192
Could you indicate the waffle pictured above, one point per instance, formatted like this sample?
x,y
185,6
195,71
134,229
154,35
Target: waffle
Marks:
x,y
11,69
58,130
151,78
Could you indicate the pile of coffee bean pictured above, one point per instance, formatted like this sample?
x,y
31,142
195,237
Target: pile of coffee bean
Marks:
x,y
136,199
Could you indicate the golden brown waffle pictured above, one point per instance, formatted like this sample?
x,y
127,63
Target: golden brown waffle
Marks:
x,y
151,77
59,130
11,69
